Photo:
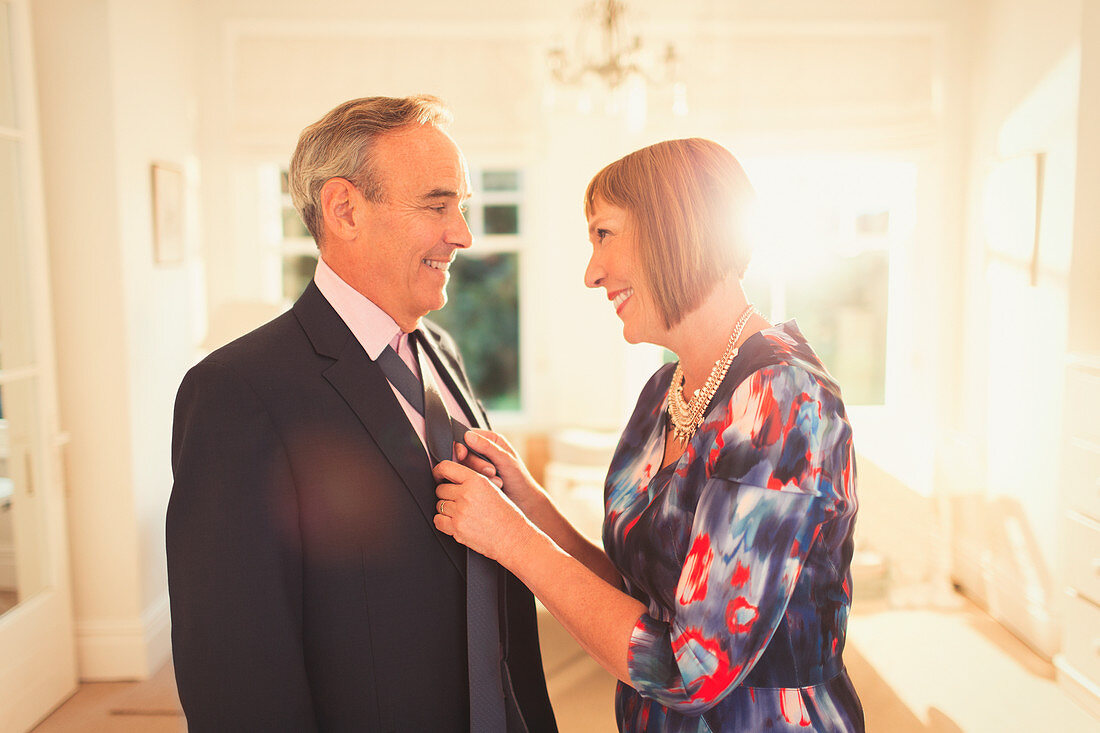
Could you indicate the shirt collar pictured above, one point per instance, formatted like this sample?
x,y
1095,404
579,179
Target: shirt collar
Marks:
x,y
372,327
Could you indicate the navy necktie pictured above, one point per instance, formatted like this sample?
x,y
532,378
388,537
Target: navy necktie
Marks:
x,y
487,706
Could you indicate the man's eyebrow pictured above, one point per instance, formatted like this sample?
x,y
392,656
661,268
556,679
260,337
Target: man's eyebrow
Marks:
x,y
441,193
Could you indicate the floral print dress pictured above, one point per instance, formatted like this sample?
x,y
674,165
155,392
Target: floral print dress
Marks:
x,y
740,550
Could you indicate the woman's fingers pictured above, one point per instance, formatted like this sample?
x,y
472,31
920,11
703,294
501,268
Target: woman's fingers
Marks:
x,y
453,472
447,492
468,458
490,440
504,444
491,445
444,524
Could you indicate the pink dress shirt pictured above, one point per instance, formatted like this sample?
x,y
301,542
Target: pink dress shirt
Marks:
x,y
374,329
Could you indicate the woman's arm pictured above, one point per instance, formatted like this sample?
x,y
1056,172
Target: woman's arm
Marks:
x,y
596,613
532,500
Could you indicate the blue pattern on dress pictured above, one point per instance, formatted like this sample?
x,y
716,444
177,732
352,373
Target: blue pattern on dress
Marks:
x,y
740,550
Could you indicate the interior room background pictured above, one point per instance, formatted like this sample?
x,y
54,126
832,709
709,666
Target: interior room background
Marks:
x,y
924,170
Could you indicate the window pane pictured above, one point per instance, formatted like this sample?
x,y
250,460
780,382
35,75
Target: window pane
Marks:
x,y
293,226
482,314
297,272
828,226
842,312
23,571
500,180
501,219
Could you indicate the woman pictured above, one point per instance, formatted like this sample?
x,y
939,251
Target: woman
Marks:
x,y
722,600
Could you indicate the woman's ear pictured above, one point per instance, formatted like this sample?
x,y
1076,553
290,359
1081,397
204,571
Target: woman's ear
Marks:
x,y
341,208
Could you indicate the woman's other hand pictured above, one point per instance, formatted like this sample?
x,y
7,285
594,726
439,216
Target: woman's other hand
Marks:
x,y
467,458
476,513
503,463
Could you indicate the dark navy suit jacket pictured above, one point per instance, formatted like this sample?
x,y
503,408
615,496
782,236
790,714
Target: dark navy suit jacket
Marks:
x,y
309,587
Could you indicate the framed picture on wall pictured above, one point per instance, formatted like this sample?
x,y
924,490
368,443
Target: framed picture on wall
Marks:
x,y
167,214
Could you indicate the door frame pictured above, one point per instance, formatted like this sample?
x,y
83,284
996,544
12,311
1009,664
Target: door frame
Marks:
x,y
37,643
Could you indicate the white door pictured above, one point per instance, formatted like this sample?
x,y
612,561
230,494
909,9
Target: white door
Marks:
x,y
37,655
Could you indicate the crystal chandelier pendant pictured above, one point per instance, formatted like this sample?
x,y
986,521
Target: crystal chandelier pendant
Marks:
x,y
605,59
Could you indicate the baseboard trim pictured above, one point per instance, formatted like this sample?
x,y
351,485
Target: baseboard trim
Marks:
x,y
124,649
1080,687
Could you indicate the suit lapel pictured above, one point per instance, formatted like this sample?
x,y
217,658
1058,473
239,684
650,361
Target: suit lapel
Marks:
x,y
363,386
449,370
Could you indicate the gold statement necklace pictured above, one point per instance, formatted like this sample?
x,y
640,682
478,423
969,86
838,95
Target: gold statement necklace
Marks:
x,y
686,416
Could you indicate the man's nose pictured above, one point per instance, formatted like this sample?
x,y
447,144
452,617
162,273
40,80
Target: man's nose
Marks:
x,y
458,233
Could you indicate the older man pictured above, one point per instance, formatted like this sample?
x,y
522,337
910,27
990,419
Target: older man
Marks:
x,y
309,587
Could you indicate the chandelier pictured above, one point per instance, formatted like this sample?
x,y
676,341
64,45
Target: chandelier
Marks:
x,y
605,55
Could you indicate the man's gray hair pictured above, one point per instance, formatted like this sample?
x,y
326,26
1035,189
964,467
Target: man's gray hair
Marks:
x,y
340,145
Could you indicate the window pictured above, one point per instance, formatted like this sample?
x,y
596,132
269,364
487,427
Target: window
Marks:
x,y
482,310
827,229
297,248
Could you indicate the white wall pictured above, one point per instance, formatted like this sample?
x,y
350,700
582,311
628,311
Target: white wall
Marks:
x,y
1083,335
1004,490
116,94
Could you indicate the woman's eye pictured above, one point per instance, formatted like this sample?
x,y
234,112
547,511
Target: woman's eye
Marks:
x,y
601,234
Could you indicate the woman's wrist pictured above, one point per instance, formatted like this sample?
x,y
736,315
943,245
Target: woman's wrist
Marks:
x,y
528,552
516,542
530,497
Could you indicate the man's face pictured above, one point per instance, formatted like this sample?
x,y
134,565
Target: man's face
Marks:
x,y
409,238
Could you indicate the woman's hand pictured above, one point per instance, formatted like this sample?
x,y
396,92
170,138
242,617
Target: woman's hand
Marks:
x,y
503,463
475,512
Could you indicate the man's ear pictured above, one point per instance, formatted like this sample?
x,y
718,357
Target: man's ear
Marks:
x,y
342,208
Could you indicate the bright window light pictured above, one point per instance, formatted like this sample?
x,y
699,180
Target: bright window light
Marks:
x,y
825,230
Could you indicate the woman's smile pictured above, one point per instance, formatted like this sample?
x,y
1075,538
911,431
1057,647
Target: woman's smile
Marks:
x,y
619,297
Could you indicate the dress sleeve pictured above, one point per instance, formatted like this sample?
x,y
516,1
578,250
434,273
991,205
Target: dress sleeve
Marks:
x,y
766,494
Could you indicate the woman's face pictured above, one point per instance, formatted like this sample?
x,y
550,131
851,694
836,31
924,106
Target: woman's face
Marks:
x,y
615,267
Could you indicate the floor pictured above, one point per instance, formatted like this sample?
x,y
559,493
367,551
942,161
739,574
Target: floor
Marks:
x,y
916,670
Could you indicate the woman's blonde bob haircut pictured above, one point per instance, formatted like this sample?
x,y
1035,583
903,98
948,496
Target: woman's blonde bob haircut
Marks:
x,y
688,202
340,145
